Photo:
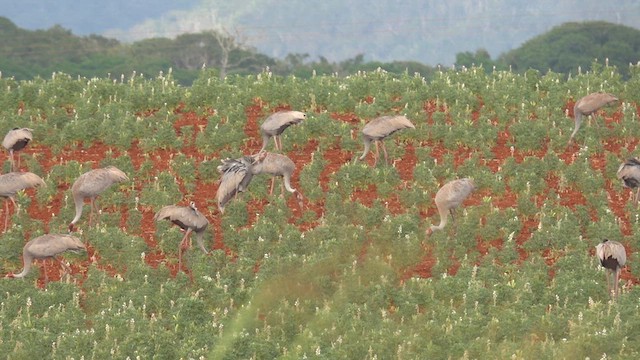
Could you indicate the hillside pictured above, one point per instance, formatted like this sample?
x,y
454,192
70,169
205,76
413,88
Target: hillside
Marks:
x,y
427,32
573,45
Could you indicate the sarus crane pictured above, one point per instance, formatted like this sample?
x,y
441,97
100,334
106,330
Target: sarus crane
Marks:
x,y
589,105
379,129
13,182
629,173
189,219
449,197
90,185
48,247
277,165
612,256
236,177
274,125
16,140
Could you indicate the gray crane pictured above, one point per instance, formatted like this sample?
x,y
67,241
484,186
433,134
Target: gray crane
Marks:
x,y
13,182
16,140
276,123
90,185
449,197
277,165
589,105
48,247
189,219
612,256
380,128
236,176
629,173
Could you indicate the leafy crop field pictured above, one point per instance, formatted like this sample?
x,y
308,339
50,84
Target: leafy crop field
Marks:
x,y
352,274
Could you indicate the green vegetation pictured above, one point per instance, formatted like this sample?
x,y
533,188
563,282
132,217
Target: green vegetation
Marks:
x,y
350,277
565,48
30,54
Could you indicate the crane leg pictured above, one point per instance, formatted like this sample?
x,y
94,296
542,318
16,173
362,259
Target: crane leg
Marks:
x,y
300,199
278,142
375,161
616,285
6,212
67,269
608,276
386,157
13,165
6,215
94,208
46,276
273,182
637,196
91,214
183,245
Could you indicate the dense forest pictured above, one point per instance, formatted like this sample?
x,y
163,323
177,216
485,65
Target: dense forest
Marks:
x,y
26,54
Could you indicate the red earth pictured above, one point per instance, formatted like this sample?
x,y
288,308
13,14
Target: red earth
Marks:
x,y
335,157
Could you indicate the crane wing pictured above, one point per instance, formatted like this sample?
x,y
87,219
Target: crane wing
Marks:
x,y
592,102
386,125
53,244
15,181
15,135
183,214
282,119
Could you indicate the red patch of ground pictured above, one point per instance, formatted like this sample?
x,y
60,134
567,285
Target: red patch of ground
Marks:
x,y
335,157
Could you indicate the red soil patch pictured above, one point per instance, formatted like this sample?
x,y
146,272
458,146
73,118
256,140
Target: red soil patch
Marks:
x,y
335,158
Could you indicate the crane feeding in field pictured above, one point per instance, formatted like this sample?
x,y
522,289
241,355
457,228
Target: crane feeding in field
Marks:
x,y
629,173
277,165
612,256
13,182
380,128
90,185
589,105
48,247
189,219
449,197
236,176
276,124
16,140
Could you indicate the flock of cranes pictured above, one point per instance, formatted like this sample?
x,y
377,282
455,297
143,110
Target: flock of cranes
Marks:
x,y
236,175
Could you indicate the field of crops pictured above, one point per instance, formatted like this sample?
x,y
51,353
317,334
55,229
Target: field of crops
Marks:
x,y
351,275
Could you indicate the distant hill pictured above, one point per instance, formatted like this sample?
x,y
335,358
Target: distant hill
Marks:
x,y
25,54
424,31
570,45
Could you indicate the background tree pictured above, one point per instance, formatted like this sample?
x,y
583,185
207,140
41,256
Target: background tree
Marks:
x,y
568,46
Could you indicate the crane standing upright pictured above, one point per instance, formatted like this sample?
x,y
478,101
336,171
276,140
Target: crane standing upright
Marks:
x,y
15,140
612,256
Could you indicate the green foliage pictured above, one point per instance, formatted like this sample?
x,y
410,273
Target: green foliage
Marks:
x,y
572,45
353,275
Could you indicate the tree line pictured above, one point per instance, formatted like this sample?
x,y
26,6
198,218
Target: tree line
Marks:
x,y
26,54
